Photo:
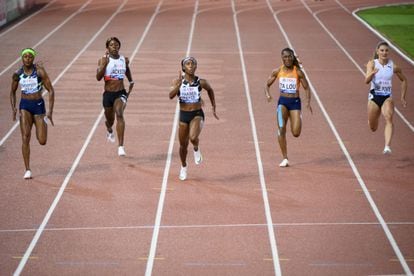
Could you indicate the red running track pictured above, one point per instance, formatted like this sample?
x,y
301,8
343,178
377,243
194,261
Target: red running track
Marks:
x,y
342,208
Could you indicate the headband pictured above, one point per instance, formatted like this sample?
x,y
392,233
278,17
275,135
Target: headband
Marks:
x,y
187,59
28,51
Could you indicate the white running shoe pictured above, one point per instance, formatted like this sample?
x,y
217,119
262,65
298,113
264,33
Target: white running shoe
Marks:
x,y
183,173
28,174
387,150
110,137
121,151
284,163
198,158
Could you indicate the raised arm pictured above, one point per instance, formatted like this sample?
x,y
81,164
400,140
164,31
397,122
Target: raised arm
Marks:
x,y
269,82
371,71
175,86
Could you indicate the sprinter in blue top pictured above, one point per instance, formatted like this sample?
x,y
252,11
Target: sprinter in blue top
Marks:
x,y
31,77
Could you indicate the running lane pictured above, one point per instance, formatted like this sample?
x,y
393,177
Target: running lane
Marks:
x,y
213,223
333,223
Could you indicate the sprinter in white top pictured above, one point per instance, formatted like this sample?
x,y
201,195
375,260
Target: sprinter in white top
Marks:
x,y
380,71
114,68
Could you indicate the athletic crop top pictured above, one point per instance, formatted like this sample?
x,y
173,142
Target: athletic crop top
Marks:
x,y
288,81
381,82
29,84
190,93
116,68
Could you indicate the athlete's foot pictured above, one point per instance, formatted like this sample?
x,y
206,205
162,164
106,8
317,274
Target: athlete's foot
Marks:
x,y
284,163
387,150
28,174
110,137
183,173
121,151
198,158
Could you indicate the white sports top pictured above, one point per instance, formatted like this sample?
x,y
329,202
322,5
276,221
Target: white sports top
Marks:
x,y
382,81
116,68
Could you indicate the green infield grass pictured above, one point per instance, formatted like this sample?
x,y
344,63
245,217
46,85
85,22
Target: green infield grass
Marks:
x,y
394,22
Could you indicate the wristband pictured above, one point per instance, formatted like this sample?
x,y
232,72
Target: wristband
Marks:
x,y
131,82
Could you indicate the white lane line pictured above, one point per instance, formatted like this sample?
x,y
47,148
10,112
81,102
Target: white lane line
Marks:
x,y
241,225
82,151
160,207
348,156
27,18
50,34
395,48
371,201
314,14
271,233
13,128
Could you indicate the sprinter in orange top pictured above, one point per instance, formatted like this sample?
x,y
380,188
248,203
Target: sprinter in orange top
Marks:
x,y
289,105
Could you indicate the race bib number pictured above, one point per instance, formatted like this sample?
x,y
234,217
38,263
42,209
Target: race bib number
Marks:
x,y
29,85
383,87
287,85
189,94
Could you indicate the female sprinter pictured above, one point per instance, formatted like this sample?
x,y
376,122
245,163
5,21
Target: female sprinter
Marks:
x,y
290,77
188,90
113,67
379,73
31,77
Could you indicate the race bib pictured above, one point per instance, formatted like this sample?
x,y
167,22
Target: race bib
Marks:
x,y
288,85
29,85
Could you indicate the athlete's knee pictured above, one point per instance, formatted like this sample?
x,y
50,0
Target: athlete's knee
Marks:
x,y
281,131
296,133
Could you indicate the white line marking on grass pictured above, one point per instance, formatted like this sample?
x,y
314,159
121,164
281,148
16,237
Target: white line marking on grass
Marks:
x,y
155,233
268,214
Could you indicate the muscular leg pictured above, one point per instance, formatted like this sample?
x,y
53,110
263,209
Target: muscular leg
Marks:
x,y
373,115
195,129
295,122
119,106
41,129
388,112
282,118
26,123
110,118
183,136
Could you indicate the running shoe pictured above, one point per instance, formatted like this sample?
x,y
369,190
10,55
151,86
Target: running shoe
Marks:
x,y
121,151
28,174
183,173
284,163
110,137
198,158
387,150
